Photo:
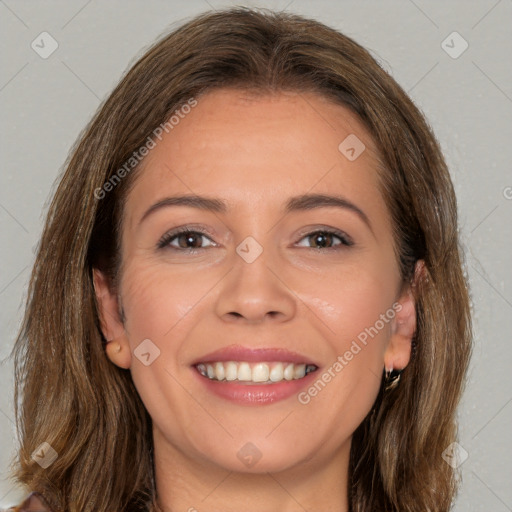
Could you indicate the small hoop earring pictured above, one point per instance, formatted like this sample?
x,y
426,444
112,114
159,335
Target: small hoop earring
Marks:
x,y
392,379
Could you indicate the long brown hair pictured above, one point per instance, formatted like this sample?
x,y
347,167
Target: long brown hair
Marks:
x,y
88,409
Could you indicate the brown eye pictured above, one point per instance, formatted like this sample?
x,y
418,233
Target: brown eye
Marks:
x,y
183,240
325,239
322,239
189,240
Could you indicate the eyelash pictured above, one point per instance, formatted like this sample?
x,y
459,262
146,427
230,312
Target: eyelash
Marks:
x,y
166,239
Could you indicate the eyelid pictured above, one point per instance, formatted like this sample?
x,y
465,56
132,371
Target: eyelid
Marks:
x,y
345,238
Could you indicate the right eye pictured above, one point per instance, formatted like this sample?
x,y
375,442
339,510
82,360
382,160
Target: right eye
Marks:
x,y
187,240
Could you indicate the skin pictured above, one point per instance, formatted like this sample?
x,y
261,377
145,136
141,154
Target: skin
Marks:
x,y
255,153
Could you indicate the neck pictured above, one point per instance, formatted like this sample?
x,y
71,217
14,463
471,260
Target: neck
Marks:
x,y
187,484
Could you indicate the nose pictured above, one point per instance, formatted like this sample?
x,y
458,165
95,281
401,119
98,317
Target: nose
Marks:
x,y
255,292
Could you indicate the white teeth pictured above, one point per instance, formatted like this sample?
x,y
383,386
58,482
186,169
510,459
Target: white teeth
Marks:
x,y
254,372
244,372
288,372
276,374
231,369
219,371
300,371
260,372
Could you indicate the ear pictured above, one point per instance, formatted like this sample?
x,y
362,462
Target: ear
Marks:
x,y
112,327
403,326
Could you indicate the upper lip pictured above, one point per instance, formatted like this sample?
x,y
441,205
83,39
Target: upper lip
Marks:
x,y
253,355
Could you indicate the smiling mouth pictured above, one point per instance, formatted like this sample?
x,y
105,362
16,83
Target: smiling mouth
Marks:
x,y
257,373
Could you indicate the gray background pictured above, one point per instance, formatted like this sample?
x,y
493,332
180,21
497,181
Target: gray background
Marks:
x,y
468,100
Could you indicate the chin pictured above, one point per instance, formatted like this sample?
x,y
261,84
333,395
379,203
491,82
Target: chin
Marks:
x,y
260,456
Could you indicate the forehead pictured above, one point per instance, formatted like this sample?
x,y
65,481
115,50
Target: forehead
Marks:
x,y
245,148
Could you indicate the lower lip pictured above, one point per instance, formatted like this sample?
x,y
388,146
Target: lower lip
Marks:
x,y
255,394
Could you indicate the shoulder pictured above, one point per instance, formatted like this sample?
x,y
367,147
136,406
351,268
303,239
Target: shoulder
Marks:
x,y
34,502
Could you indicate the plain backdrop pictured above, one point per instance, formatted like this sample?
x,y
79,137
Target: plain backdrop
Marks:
x,y
465,93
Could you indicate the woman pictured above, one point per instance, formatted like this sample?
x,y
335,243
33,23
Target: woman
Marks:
x,y
248,293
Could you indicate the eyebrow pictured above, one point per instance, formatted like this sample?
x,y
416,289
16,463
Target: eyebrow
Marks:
x,y
297,203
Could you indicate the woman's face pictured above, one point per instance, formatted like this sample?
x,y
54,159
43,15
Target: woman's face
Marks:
x,y
263,276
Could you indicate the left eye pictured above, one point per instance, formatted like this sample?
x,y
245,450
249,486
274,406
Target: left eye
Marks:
x,y
323,238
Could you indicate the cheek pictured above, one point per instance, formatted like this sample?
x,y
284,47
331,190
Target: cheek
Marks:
x,y
162,306
355,306
159,306
361,305
156,300
350,301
